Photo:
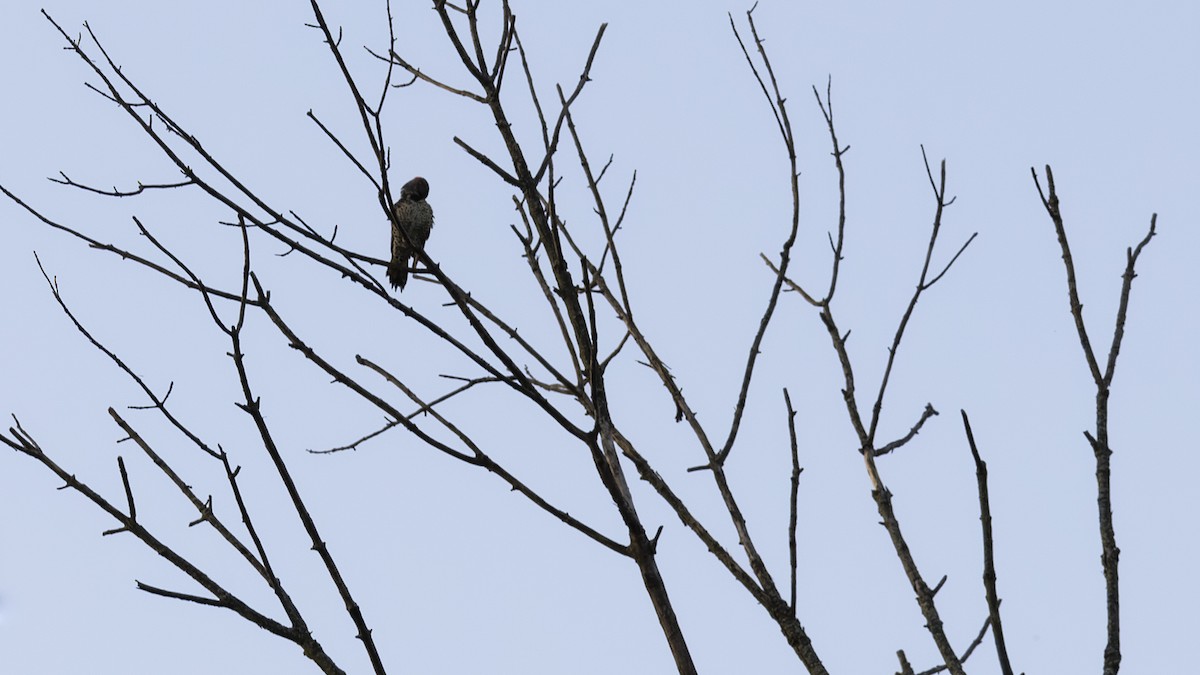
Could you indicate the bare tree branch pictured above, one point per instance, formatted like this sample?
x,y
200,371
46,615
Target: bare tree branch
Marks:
x,y
966,653
912,433
778,106
1110,553
796,469
989,564
114,192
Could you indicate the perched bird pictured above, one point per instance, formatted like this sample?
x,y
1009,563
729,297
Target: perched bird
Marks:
x,y
415,216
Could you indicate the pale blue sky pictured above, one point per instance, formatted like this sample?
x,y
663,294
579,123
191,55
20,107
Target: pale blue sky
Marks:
x,y
458,575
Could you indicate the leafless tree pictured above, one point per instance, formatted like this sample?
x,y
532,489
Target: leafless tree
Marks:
x,y
561,374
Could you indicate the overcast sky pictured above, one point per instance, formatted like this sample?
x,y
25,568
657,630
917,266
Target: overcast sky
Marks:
x,y
455,573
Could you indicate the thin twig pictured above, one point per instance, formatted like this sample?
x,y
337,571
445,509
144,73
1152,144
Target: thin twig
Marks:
x,y
912,433
115,192
966,653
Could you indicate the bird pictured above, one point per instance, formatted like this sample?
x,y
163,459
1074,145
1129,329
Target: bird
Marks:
x,y
412,213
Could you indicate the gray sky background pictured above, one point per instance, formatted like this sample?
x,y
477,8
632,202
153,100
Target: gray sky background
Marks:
x,y
458,575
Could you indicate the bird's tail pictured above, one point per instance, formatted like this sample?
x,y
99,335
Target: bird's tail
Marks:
x,y
397,272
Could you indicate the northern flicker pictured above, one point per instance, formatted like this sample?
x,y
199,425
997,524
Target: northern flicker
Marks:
x,y
415,215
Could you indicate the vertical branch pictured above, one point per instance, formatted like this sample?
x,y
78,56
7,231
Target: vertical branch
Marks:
x,y
989,565
1131,256
796,469
1110,553
783,613
1052,208
827,112
779,109
128,488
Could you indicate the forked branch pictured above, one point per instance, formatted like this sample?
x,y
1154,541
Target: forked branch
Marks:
x,y
1110,553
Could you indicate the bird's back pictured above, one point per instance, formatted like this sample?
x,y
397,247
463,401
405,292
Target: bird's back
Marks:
x,y
417,220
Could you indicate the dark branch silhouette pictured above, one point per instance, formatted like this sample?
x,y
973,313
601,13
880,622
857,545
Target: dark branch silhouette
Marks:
x,y
1110,553
560,373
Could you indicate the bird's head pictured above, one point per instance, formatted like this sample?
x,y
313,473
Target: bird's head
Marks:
x,y
415,190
